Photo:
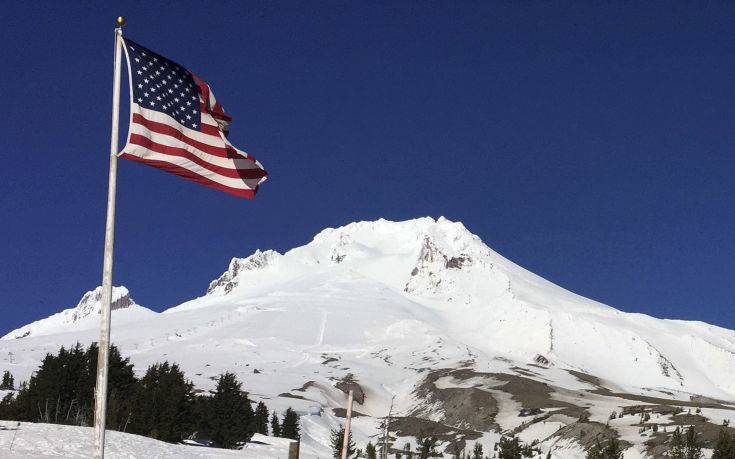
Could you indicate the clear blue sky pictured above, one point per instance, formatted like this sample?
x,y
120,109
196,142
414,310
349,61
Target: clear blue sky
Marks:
x,y
591,142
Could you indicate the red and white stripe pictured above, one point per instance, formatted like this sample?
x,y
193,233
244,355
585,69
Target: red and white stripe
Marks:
x,y
204,156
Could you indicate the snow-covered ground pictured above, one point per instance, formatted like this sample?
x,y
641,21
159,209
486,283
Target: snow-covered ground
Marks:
x,y
29,440
389,302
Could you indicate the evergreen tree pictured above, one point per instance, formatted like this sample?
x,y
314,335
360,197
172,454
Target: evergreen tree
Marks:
x,y
337,439
407,451
290,427
609,450
7,407
164,404
61,391
260,419
231,413
548,455
676,446
8,382
692,447
477,452
725,446
427,447
275,425
370,452
510,448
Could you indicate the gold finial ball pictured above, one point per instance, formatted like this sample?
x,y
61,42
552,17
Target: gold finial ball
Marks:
x,y
120,21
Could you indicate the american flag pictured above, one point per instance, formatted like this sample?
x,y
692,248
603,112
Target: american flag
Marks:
x,y
177,125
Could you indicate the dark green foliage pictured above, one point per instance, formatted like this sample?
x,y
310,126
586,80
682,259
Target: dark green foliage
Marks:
x,y
607,450
290,427
509,448
676,445
260,419
164,404
725,446
7,407
427,447
370,452
161,405
62,390
407,451
231,413
477,451
8,383
692,447
337,438
275,425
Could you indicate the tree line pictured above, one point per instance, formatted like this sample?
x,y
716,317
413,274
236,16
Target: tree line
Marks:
x,y
163,404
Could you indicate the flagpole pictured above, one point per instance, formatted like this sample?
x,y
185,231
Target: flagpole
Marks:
x,y
100,409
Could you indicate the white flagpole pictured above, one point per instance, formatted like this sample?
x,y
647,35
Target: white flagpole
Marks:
x,y
348,418
100,409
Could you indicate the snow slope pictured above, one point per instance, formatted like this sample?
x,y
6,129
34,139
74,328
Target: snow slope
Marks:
x,y
393,303
85,315
28,440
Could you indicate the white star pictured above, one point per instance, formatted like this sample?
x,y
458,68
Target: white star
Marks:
x,y
140,73
143,54
194,125
155,59
188,117
159,97
137,59
140,86
181,94
175,85
194,97
176,99
145,68
152,103
145,80
157,72
188,103
180,80
145,94
140,99
169,76
193,110
170,90
153,89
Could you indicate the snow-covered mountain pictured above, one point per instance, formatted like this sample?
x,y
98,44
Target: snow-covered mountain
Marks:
x,y
470,345
85,315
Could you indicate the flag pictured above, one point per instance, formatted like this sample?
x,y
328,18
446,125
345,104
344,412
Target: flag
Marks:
x,y
176,124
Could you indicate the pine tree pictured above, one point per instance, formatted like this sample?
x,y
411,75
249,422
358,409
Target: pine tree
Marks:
x,y
370,451
725,446
676,446
510,448
427,447
337,438
609,450
275,426
7,383
407,451
231,413
260,419
692,447
164,404
477,452
290,427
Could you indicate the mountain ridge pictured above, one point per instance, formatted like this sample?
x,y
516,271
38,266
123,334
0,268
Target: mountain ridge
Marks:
x,y
425,311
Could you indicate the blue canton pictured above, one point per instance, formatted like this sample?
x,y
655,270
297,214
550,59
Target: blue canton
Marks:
x,y
164,86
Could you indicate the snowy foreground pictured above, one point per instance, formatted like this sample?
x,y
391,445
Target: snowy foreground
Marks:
x,y
470,344
28,440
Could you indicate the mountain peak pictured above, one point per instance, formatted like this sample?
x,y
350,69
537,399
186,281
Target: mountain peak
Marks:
x,y
83,315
